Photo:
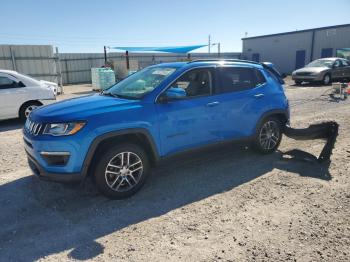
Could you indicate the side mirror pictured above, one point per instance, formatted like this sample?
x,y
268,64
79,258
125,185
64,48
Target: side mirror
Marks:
x,y
173,93
336,66
15,84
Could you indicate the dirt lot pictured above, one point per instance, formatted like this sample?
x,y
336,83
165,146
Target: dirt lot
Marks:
x,y
224,204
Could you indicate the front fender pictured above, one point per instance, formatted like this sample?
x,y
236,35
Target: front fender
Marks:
x,y
99,139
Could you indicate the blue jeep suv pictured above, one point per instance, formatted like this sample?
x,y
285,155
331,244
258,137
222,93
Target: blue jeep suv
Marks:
x,y
118,135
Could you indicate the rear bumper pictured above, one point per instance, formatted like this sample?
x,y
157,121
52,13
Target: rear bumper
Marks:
x,y
58,177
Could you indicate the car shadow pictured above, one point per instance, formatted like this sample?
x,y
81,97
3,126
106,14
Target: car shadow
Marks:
x,y
11,124
40,218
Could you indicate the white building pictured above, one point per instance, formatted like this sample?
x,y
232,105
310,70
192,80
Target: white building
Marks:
x,y
292,50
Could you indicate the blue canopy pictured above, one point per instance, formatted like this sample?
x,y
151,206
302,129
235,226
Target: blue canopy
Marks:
x,y
168,49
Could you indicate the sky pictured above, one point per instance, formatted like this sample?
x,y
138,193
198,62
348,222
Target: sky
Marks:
x,y
76,26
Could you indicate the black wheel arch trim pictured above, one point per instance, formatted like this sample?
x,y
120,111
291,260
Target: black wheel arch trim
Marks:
x,y
272,113
98,140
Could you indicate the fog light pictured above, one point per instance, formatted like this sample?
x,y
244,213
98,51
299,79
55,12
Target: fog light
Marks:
x,y
55,158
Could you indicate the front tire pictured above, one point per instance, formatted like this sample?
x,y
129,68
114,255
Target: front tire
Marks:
x,y
297,83
27,108
326,79
121,171
269,135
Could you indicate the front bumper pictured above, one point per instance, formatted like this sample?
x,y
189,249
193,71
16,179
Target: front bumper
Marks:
x,y
57,167
309,78
38,170
46,102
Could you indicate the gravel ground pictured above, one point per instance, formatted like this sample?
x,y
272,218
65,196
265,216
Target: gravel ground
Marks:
x,y
223,204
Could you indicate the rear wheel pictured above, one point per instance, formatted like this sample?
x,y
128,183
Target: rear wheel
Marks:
x,y
298,82
121,171
27,108
269,135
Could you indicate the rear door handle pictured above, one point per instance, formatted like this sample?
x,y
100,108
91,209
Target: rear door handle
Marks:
x,y
259,95
211,104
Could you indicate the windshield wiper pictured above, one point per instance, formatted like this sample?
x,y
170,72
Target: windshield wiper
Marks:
x,y
106,93
118,95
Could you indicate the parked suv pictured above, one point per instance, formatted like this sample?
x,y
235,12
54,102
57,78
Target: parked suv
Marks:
x,y
118,135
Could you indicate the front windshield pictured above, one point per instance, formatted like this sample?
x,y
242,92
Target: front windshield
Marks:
x,y
140,83
321,63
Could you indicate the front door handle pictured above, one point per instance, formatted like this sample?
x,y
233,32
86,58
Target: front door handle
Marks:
x,y
259,95
211,104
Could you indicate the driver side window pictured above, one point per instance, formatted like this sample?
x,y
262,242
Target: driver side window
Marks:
x,y
336,64
6,83
197,82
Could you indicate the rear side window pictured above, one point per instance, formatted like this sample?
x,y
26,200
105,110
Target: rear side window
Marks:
x,y
337,64
235,79
260,77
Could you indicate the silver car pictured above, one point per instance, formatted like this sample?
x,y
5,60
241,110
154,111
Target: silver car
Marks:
x,y
323,70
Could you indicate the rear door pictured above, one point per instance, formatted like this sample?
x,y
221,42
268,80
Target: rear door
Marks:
x,y
241,93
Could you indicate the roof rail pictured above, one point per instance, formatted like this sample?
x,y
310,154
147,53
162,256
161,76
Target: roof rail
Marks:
x,y
265,65
225,60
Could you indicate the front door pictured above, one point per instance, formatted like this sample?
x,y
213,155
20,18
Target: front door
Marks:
x,y
338,70
299,59
256,57
346,69
185,122
326,52
11,96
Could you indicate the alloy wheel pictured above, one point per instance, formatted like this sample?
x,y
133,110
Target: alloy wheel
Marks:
x,y
326,79
269,135
124,171
29,109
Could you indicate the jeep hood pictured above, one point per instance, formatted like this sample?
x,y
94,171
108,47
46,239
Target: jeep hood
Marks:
x,y
81,108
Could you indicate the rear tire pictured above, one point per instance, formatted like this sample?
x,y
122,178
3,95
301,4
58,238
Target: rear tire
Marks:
x,y
121,171
298,83
269,135
27,108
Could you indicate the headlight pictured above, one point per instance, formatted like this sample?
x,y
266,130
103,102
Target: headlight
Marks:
x,y
63,129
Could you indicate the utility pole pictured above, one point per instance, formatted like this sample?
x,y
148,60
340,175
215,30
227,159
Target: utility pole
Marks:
x,y
59,73
219,47
209,44
105,53
127,60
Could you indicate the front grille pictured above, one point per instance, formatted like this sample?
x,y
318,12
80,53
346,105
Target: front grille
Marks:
x,y
32,127
304,73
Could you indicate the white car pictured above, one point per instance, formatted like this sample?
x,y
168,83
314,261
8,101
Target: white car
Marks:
x,y
20,94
